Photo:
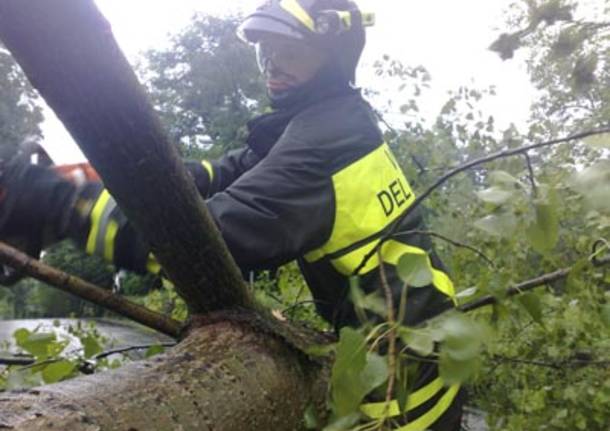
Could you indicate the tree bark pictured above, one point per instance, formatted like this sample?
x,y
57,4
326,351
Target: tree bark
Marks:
x,y
223,376
67,50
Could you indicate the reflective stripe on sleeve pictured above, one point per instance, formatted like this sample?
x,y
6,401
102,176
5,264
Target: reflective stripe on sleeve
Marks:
x,y
416,399
294,8
109,237
99,219
209,169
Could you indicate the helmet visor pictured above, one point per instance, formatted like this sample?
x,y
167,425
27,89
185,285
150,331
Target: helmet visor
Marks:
x,y
258,25
282,54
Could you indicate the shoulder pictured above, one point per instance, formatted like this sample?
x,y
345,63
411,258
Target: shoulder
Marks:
x,y
340,129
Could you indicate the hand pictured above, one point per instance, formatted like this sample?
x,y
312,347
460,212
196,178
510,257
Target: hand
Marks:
x,y
35,202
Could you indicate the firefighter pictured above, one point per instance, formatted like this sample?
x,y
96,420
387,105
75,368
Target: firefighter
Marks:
x,y
315,183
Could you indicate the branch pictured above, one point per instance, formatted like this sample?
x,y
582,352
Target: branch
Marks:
x,y
558,365
531,175
107,353
442,180
88,291
67,50
86,367
525,286
391,337
450,241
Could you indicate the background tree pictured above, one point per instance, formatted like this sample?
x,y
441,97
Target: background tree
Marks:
x,y
20,116
206,85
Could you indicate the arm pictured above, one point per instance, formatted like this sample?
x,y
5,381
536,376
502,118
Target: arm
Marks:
x,y
268,214
216,176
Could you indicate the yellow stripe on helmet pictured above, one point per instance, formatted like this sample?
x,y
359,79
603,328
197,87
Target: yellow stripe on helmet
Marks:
x,y
294,8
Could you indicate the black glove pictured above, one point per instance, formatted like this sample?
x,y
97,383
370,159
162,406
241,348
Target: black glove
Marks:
x,y
35,203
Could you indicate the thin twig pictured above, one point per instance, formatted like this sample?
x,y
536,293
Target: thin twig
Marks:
x,y
129,349
14,258
450,241
558,365
391,334
524,287
421,168
17,361
30,361
531,175
466,166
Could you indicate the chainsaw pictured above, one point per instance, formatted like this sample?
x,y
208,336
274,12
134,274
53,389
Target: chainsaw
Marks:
x,y
30,152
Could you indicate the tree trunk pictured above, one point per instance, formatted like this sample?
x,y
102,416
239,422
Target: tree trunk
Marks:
x,y
224,376
232,373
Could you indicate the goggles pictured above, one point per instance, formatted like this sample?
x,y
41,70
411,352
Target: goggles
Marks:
x,y
285,55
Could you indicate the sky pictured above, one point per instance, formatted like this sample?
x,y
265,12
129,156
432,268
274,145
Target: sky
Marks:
x,y
449,38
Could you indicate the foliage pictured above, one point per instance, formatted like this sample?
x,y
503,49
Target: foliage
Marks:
x,y
54,362
31,298
20,116
566,43
206,85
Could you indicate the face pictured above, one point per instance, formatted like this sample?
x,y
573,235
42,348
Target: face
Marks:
x,y
287,63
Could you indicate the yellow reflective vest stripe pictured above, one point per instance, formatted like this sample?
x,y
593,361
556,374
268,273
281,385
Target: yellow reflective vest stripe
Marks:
x,y
382,409
364,210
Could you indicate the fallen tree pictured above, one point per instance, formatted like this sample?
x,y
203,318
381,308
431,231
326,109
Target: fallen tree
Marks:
x,y
236,368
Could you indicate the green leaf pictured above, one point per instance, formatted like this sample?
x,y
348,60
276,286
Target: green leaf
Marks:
x,y
454,371
343,423
606,314
311,418
350,360
414,269
502,225
57,371
375,303
600,141
419,340
467,293
532,304
22,379
503,179
91,346
355,373
578,268
375,372
594,184
21,335
462,337
495,195
544,232
37,344
154,350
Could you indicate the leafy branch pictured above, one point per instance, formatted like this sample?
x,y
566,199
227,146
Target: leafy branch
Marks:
x,y
462,168
25,361
68,283
527,286
560,364
450,241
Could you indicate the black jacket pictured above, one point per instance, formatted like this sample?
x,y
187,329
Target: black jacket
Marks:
x,y
322,194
